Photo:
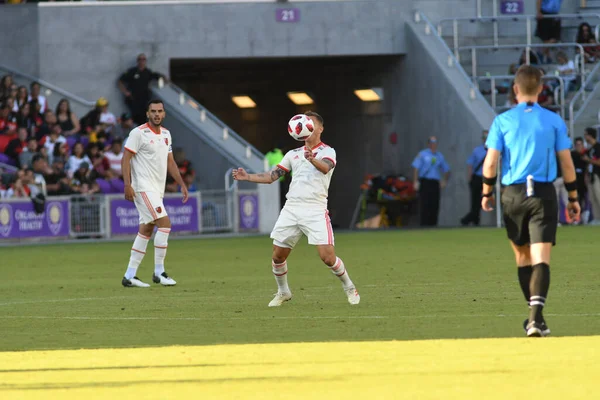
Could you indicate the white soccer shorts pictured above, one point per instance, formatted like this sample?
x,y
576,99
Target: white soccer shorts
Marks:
x,y
294,221
150,207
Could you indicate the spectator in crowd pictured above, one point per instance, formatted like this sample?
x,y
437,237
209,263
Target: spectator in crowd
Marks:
x,y
26,156
18,188
47,125
533,59
66,118
189,183
134,84
24,118
57,181
548,27
185,167
82,181
100,165
585,36
36,117
35,95
22,98
7,126
114,157
592,158
55,137
430,175
77,158
5,86
99,118
60,153
40,169
580,170
107,118
15,147
124,126
566,69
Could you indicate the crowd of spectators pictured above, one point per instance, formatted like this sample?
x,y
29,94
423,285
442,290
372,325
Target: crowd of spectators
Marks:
x,y
54,152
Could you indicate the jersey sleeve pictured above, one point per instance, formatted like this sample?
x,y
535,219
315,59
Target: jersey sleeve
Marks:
x,y
286,163
562,137
444,165
328,154
417,162
134,141
495,139
471,159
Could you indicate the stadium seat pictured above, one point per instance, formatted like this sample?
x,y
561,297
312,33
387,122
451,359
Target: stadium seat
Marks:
x,y
104,186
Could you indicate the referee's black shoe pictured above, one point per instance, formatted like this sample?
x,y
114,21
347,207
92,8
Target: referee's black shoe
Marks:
x,y
543,328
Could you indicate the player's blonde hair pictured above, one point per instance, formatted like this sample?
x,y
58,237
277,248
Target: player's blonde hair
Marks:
x,y
528,79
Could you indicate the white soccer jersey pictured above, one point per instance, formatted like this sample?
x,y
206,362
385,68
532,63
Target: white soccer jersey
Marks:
x,y
149,163
309,186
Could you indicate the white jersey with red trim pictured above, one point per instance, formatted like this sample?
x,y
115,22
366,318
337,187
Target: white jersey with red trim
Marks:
x,y
309,186
149,164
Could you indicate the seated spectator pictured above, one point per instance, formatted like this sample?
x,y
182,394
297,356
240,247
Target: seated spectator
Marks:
x,y
21,98
15,147
5,86
55,137
566,69
35,95
40,169
99,118
546,96
46,127
26,156
100,164
107,118
24,119
57,182
66,118
18,188
78,156
124,126
60,153
585,36
533,58
82,181
185,167
36,117
189,183
114,157
7,125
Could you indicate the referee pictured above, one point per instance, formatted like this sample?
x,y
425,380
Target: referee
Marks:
x,y
530,138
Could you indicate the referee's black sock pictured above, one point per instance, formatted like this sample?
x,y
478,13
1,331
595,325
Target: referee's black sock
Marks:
x,y
524,280
540,282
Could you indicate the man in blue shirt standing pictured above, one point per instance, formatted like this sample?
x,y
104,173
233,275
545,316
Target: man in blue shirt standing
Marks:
x,y
430,175
474,173
530,139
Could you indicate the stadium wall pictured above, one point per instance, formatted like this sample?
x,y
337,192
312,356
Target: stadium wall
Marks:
x,y
19,38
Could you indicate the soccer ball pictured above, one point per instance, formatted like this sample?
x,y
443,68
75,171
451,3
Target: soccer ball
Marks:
x,y
301,127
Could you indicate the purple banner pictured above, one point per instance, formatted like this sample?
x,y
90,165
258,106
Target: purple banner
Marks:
x,y
287,15
19,220
124,218
512,7
248,211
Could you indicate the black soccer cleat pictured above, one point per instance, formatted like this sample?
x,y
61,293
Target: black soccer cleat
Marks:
x,y
543,326
534,329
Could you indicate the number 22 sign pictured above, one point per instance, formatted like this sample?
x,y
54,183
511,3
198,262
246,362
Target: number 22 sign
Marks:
x,y
287,15
511,7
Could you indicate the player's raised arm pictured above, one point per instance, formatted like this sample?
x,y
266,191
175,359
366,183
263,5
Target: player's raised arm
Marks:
x,y
277,172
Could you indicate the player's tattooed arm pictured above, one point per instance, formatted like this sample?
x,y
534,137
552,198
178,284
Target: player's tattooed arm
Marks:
x,y
264,177
329,163
277,173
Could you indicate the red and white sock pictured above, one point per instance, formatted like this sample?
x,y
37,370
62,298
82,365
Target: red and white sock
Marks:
x,y
161,242
280,274
137,255
339,270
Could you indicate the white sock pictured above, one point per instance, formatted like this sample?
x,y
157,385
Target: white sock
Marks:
x,y
161,240
339,270
280,274
137,255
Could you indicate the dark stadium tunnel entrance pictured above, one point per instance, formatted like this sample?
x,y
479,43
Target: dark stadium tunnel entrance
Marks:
x,y
356,129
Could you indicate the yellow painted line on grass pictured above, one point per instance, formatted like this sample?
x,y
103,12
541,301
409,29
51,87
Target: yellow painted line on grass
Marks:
x,y
548,368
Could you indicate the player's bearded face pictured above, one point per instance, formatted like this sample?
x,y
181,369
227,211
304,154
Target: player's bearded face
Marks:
x,y
156,114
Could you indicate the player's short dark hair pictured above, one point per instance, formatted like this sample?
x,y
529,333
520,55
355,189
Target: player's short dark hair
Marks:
x,y
528,79
591,132
154,101
317,116
579,139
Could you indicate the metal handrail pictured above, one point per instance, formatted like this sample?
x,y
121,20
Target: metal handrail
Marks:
x,y
50,86
474,49
495,19
452,59
203,110
8,167
560,89
581,93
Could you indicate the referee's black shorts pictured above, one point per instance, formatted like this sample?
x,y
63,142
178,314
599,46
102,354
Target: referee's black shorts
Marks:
x,y
530,219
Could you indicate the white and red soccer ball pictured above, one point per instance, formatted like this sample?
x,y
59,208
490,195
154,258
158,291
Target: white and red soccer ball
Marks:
x,y
301,127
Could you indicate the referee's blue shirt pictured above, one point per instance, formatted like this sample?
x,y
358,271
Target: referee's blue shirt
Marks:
x,y
476,159
430,165
528,137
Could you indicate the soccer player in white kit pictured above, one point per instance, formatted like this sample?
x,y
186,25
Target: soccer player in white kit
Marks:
x,y
305,211
147,159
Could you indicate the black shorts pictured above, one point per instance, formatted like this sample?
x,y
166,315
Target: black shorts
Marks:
x,y
530,219
548,28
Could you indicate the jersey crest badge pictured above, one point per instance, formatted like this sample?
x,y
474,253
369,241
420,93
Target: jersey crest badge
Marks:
x,y
159,209
152,142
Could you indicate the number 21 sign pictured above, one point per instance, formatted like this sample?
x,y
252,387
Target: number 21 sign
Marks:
x,y
287,15
511,7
